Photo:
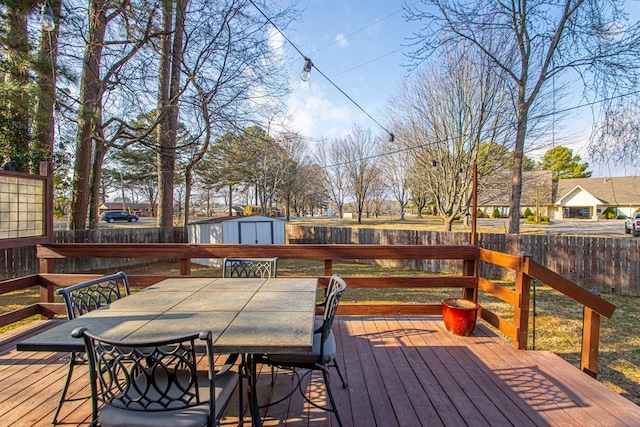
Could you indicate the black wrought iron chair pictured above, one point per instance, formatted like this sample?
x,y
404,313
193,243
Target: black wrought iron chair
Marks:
x,y
321,358
335,283
155,384
83,298
253,268
250,267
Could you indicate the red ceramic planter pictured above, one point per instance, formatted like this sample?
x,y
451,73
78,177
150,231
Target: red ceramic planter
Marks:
x,y
459,315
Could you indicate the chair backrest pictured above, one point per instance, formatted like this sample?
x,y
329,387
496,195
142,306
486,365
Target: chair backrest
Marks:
x,y
250,267
327,320
148,376
88,296
336,283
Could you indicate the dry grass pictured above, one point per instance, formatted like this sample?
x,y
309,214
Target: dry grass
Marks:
x,y
558,320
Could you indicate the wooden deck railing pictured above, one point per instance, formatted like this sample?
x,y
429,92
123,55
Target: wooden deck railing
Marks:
x,y
468,281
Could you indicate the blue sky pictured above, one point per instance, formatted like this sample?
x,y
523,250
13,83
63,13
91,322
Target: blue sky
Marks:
x,y
358,45
361,45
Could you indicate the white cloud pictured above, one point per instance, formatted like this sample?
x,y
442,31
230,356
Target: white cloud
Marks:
x,y
341,39
315,116
276,42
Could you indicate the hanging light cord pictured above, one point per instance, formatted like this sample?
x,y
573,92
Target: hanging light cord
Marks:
x,y
391,136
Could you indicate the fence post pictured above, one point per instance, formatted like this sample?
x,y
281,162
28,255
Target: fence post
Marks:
x,y
590,340
521,312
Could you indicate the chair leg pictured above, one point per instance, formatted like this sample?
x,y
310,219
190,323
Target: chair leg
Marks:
x,y
334,408
240,396
273,376
63,396
335,365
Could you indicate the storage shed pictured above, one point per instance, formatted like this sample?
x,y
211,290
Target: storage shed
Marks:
x,y
248,230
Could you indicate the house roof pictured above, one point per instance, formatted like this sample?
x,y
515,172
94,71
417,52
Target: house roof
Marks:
x,y
617,190
496,190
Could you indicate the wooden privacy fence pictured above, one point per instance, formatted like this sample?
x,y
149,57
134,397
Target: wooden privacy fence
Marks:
x,y
468,257
22,261
608,265
605,264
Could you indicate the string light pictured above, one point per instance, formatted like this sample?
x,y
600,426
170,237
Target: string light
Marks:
x,y
46,18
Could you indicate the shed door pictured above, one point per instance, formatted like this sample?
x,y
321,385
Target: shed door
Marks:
x,y
259,233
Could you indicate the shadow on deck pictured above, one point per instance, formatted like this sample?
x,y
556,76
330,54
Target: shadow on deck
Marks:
x,y
402,371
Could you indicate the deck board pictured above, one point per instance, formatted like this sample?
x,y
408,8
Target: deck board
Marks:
x,y
402,371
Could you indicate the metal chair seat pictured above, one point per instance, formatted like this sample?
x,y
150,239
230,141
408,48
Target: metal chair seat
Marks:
x,y
151,384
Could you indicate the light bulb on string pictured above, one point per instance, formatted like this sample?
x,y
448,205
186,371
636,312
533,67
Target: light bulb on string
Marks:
x,y
305,75
46,18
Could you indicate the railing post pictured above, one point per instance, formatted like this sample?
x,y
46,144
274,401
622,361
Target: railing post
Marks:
x,y
469,268
590,340
521,312
46,292
185,266
328,267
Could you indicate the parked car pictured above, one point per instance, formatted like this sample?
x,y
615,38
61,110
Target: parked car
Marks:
x,y
632,225
112,216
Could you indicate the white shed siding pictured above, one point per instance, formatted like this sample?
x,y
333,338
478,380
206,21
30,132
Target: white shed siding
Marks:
x,y
242,230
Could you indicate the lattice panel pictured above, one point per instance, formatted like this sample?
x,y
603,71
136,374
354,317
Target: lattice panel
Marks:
x,y
21,207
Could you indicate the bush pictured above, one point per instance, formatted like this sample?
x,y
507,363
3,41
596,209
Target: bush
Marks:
x,y
531,218
528,213
544,218
496,213
479,214
608,213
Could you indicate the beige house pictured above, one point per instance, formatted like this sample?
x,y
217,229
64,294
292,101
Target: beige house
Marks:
x,y
537,193
578,198
590,197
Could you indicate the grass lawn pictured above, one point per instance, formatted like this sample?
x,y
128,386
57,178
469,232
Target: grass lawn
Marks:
x,y
558,320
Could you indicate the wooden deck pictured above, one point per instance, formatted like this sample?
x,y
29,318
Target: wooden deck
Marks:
x,y
402,371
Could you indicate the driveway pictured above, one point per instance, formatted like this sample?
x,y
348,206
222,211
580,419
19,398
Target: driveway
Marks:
x,y
566,226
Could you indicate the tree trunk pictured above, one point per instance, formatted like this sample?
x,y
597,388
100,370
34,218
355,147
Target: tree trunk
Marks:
x,y
187,195
164,137
516,176
89,103
94,206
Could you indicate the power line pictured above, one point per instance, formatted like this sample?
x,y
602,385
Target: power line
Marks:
x,y
320,71
427,144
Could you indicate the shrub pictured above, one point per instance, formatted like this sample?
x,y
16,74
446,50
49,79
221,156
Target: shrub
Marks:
x,y
544,218
479,214
528,213
496,213
531,218
608,213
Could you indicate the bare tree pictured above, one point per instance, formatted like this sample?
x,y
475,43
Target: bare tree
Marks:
x,y
329,156
442,116
617,137
296,154
531,42
359,152
396,170
129,29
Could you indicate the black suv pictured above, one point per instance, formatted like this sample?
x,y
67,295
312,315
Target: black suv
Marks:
x,y
112,216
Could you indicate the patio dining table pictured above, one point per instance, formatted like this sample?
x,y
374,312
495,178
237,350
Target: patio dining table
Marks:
x,y
246,315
